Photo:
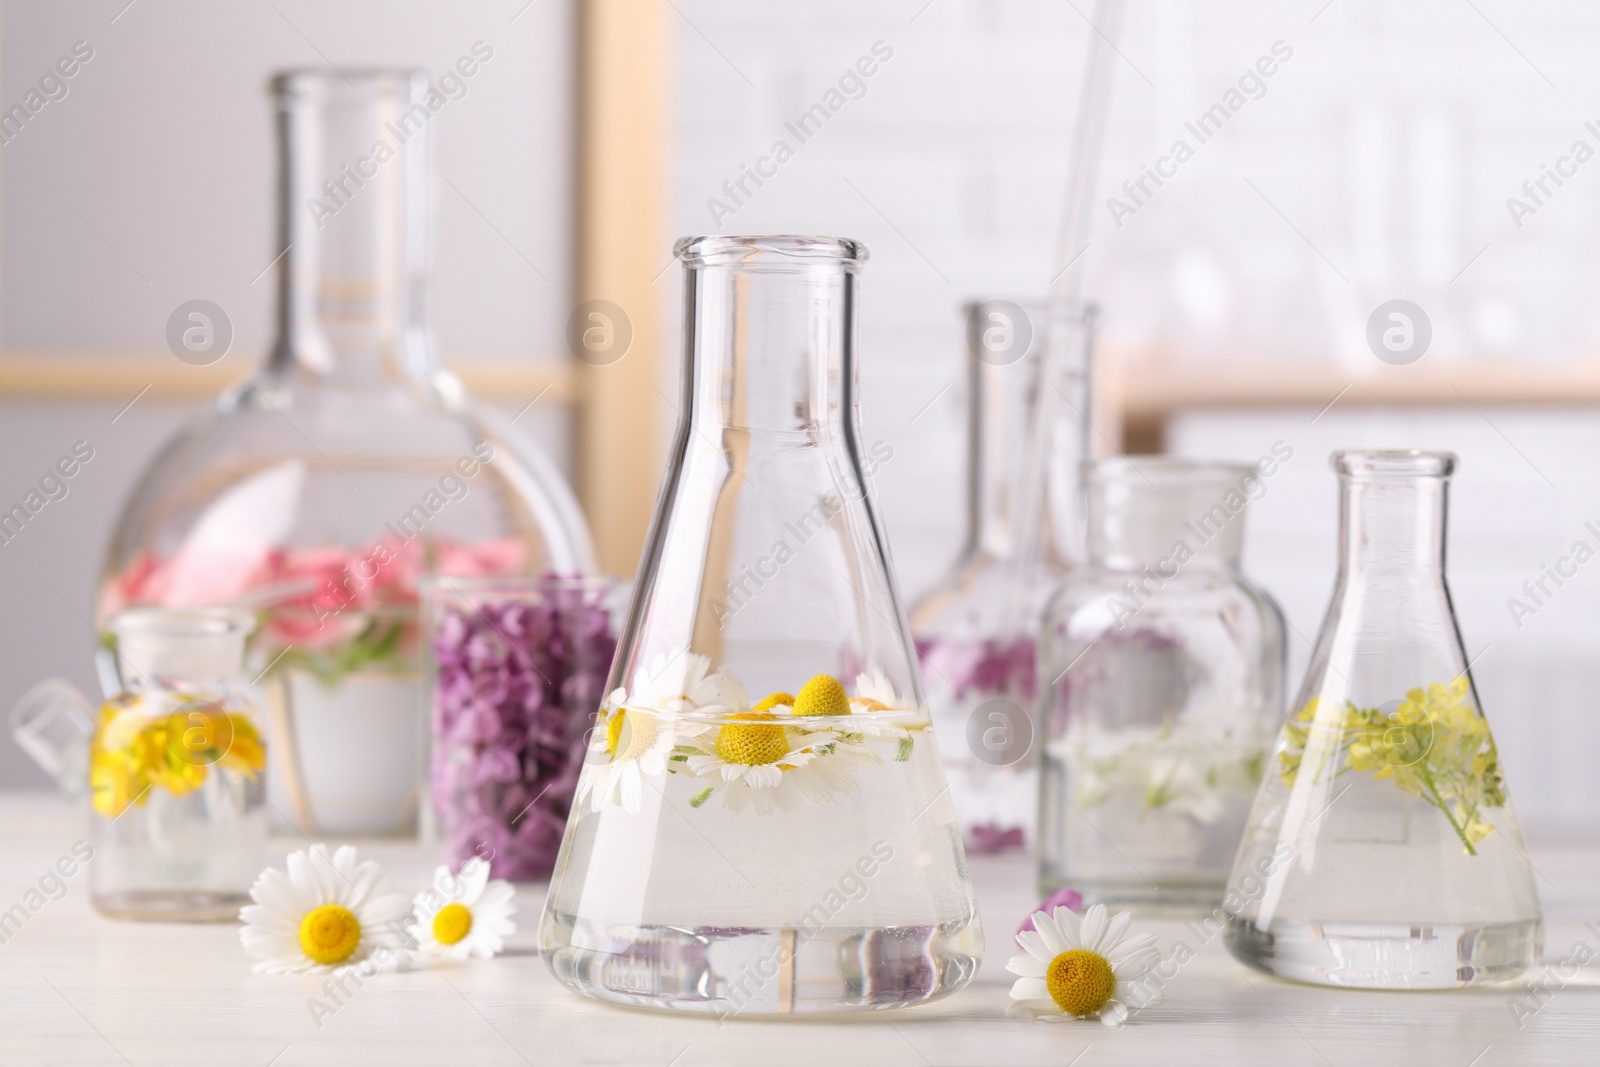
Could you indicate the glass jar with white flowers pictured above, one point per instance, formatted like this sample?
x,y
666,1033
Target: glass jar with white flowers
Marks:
x,y
1163,670
762,824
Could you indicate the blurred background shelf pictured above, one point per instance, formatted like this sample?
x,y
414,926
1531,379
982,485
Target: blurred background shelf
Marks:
x,y
65,375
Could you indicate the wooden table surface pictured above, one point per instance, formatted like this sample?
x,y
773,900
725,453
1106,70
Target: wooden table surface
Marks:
x,y
76,988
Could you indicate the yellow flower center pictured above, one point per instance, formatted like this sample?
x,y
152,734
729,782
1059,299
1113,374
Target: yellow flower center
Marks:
x,y
823,695
629,734
452,923
329,934
752,745
772,700
1080,981
872,705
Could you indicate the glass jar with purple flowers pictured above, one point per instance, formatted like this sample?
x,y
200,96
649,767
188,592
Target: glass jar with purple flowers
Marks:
x,y
518,667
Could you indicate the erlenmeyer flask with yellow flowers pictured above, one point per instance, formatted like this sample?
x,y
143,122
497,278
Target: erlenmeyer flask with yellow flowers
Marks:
x,y
173,762
1383,850
762,824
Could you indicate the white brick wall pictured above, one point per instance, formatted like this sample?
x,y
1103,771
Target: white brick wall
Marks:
x,y
1390,141
1538,682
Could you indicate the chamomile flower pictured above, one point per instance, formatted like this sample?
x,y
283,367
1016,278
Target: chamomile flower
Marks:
x,y
631,744
762,761
463,915
327,914
1082,967
880,714
874,692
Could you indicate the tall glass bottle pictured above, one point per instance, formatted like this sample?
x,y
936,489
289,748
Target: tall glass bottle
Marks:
x,y
1028,397
762,824
1163,666
1383,850
351,466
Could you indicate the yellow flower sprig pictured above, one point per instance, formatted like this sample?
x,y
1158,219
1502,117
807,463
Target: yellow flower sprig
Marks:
x,y
135,751
1435,746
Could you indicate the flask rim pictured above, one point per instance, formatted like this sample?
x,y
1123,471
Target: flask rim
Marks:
x,y
770,253
1166,472
182,622
315,83
1393,463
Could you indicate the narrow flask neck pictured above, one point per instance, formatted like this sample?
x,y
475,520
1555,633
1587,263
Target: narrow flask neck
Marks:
x,y
352,226
770,343
1027,418
1392,526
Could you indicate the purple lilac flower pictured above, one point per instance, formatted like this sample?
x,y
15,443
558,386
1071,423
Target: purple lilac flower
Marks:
x,y
986,666
517,683
983,668
1067,898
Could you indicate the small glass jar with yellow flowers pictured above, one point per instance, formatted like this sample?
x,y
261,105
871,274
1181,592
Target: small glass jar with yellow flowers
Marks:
x,y
176,767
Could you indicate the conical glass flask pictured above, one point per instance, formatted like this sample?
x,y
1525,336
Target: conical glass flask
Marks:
x,y
1383,850
762,823
1028,434
323,491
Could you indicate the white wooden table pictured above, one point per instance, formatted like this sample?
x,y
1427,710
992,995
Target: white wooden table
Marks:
x,y
79,989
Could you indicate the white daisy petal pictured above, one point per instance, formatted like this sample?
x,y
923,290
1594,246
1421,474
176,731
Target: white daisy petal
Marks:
x,y
1036,944
1114,1014
1113,935
1029,989
1067,924
1028,966
1125,953
1093,926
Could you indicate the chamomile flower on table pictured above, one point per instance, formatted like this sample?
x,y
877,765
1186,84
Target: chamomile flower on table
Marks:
x,y
1082,966
463,916
325,914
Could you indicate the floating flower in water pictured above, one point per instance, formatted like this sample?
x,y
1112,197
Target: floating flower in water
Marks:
x,y
1078,965
874,692
463,915
764,762
1435,746
822,695
633,744
1065,897
145,743
786,750
327,914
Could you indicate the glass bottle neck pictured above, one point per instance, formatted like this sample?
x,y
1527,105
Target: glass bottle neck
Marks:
x,y
1027,419
1392,526
770,343
201,649
352,226
1167,513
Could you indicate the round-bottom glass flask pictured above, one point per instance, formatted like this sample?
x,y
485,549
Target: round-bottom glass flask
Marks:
x,y
762,825
323,492
1383,851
